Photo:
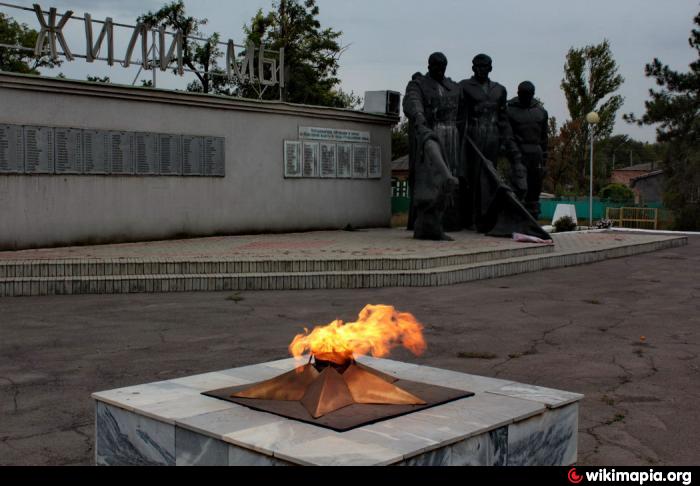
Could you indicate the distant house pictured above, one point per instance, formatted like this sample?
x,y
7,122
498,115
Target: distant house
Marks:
x,y
399,177
626,174
648,187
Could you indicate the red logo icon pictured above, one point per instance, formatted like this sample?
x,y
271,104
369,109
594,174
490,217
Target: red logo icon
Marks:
x,y
574,477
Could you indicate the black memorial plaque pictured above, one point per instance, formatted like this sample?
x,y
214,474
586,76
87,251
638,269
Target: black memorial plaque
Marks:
x,y
146,154
310,159
68,150
292,159
192,155
214,158
328,160
121,157
374,169
95,156
11,149
38,150
170,154
360,158
344,158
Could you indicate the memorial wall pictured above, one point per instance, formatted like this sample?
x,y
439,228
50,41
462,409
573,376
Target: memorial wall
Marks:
x,y
93,163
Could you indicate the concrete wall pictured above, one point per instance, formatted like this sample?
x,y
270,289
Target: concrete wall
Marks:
x,y
46,210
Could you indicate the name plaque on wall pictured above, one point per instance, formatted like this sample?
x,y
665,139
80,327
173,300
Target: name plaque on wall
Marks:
x,y
146,153
68,150
374,169
170,155
333,134
292,160
11,149
213,156
310,159
28,149
120,157
344,170
191,155
328,159
38,150
360,157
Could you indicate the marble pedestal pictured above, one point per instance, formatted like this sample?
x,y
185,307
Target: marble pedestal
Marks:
x,y
171,423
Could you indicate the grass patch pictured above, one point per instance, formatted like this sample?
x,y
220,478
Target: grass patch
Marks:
x,y
476,355
607,400
593,301
235,297
619,417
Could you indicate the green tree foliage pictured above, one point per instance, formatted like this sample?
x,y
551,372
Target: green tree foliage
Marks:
x,y
311,54
590,80
617,193
399,140
199,56
675,107
17,60
561,173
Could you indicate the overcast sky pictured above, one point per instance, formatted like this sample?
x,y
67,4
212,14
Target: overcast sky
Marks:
x,y
389,40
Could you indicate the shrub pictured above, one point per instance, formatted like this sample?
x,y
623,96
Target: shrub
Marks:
x,y
565,223
617,193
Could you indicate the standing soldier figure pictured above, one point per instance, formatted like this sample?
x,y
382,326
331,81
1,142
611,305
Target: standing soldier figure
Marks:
x,y
431,104
528,121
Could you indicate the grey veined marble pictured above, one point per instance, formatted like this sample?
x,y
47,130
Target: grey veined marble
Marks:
x,y
124,438
549,439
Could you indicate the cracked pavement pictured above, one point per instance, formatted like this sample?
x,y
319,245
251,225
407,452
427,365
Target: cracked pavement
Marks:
x,y
624,332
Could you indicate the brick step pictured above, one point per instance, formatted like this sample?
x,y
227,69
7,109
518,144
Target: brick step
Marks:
x,y
445,275
131,266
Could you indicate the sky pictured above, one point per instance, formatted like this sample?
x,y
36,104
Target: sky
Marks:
x,y
389,40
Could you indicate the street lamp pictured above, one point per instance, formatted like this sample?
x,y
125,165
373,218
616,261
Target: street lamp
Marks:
x,y
592,118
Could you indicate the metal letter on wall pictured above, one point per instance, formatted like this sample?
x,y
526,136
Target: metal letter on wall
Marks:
x,y
141,29
245,70
93,50
11,149
344,158
170,154
95,151
374,170
191,155
68,149
52,32
38,150
214,158
292,160
146,153
166,57
360,156
328,159
121,160
310,159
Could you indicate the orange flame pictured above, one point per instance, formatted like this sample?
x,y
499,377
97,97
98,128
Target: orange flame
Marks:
x,y
379,328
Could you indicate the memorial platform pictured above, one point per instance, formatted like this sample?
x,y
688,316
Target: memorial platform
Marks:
x,y
369,258
172,423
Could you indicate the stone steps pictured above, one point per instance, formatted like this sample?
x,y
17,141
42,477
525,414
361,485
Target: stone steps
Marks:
x,y
424,272
208,266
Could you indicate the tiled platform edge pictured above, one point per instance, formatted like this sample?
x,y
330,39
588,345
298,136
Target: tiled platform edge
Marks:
x,y
171,423
59,277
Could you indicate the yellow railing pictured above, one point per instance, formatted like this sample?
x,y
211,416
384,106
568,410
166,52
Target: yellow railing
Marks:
x,y
639,218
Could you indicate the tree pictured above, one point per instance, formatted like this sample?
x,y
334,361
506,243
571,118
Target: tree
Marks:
x,y
617,193
675,107
199,56
590,79
311,54
399,140
17,60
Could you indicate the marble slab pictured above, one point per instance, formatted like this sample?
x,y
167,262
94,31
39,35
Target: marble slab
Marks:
x,y
170,422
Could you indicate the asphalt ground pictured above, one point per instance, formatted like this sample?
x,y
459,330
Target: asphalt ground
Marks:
x,y
624,332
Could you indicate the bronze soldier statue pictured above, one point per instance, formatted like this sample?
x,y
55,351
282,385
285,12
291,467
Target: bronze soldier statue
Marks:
x,y
528,121
494,208
431,104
